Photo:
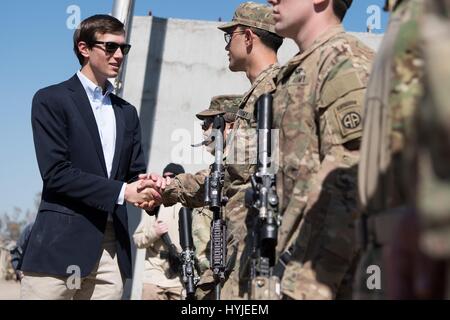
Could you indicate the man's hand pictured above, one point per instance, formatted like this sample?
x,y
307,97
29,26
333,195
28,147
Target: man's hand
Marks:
x,y
19,275
142,191
158,184
159,181
160,228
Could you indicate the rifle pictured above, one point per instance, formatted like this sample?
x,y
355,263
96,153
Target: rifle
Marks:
x,y
188,263
262,200
215,201
172,255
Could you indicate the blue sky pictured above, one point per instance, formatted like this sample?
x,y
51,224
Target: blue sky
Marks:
x,y
36,51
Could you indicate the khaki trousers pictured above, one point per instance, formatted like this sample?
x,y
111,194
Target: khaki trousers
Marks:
x,y
153,292
103,283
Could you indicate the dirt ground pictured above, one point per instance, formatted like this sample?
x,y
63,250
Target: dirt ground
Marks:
x,y
9,290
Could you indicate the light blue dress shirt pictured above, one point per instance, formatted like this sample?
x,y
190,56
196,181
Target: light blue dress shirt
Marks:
x,y
106,122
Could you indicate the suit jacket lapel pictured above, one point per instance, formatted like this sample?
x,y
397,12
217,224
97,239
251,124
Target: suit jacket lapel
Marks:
x,y
120,131
81,100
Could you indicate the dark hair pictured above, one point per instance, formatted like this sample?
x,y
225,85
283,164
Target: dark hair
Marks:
x,y
340,8
174,168
269,39
91,27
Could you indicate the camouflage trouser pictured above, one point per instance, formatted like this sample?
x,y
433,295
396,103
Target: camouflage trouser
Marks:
x,y
230,290
234,288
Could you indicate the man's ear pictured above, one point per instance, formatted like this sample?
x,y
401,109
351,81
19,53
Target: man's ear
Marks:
x,y
249,36
322,5
84,49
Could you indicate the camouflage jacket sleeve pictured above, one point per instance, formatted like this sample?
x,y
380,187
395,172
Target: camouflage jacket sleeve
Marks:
x,y
186,188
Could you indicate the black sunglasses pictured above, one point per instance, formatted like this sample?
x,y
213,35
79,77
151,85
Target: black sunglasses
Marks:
x,y
229,36
111,47
206,123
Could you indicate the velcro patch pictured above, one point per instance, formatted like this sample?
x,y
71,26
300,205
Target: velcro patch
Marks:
x,y
244,114
349,120
339,86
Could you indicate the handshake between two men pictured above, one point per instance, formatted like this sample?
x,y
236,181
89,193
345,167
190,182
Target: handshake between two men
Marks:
x,y
146,192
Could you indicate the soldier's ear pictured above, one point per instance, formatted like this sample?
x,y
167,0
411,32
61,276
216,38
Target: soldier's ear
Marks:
x,y
249,34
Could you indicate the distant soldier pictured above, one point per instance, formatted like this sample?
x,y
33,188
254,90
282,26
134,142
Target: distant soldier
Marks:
x,y
394,94
189,188
161,279
317,108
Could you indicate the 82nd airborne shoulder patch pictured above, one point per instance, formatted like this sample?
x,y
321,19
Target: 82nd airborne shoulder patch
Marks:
x,y
349,120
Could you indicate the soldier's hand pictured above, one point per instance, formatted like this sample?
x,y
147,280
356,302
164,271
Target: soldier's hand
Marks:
x,y
160,228
141,191
159,183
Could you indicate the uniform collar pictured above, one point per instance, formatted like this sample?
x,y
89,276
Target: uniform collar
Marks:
x,y
319,42
263,75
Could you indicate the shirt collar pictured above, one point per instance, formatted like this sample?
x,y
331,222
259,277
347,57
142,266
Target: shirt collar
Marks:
x,y
93,91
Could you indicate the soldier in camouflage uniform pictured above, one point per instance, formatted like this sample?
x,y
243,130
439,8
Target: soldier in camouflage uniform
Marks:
x,y
432,149
419,263
251,23
189,188
393,95
317,108
252,45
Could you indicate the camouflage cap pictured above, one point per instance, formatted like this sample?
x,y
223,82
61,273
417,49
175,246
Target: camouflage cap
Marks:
x,y
224,104
252,14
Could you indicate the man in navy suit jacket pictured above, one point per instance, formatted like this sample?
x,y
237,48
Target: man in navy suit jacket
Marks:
x,y
88,147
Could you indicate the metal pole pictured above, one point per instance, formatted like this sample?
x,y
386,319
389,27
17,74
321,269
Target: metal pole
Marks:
x,y
123,10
